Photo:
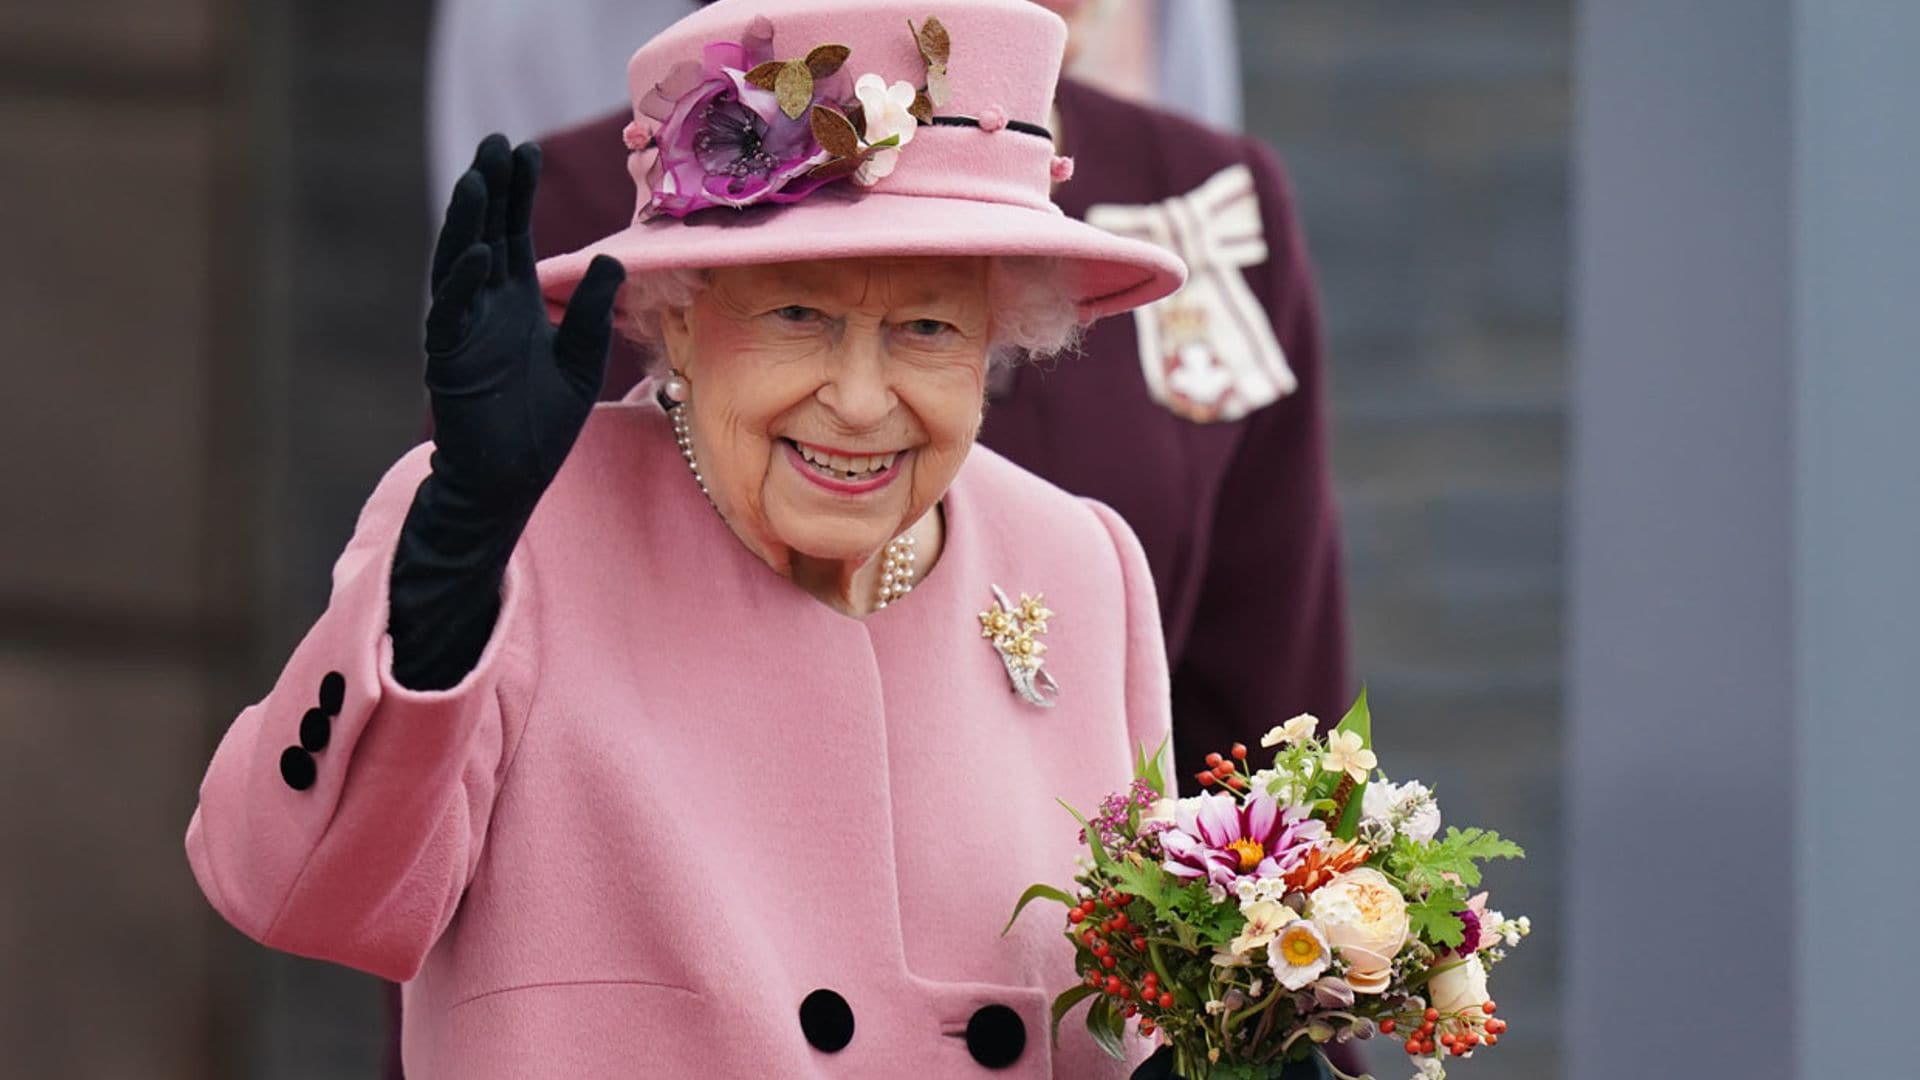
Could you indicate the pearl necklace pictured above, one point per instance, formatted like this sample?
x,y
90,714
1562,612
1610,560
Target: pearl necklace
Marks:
x,y
897,567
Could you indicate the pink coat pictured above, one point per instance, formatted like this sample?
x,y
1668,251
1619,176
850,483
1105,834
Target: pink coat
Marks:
x,y
678,795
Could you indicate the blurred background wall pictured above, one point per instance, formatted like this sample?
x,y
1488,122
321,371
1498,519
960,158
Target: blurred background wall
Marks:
x,y
219,221
1429,146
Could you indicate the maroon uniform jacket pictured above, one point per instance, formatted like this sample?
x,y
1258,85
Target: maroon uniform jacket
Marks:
x,y
1237,518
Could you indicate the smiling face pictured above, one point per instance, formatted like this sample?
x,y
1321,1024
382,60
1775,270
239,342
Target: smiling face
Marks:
x,y
832,401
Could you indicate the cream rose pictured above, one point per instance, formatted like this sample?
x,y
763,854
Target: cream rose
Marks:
x,y
1364,918
1460,987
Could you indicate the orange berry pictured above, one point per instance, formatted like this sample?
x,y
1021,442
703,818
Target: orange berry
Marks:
x,y
1493,1040
1432,1013
1240,751
1386,1026
1213,761
1489,1008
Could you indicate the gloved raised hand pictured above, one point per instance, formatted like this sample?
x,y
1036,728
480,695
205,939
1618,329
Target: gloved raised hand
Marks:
x,y
509,389
509,394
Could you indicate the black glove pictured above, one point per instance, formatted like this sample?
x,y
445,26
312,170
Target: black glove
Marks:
x,y
509,393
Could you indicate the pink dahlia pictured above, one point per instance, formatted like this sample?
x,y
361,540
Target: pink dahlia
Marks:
x,y
1222,840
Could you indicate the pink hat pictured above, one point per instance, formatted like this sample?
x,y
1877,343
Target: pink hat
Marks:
x,y
780,130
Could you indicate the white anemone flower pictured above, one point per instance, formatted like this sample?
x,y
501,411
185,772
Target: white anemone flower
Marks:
x,y
887,118
1299,954
1297,730
1347,753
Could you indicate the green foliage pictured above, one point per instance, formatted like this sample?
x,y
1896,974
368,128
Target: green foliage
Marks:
x,y
1358,720
1107,1025
1035,892
1433,917
1064,1003
1459,852
1147,880
1100,856
1208,923
1147,767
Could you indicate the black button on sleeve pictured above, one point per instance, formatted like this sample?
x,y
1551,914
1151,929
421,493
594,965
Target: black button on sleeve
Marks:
x,y
296,768
333,693
996,1036
315,729
827,1021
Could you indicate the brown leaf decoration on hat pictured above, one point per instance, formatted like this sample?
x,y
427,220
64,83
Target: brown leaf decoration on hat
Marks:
x,y
837,168
824,60
794,85
922,108
763,75
935,48
857,116
835,133
935,45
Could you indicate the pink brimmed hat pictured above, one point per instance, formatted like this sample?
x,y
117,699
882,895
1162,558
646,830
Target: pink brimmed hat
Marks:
x,y
781,130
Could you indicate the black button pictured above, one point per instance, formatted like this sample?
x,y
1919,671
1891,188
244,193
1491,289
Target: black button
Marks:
x,y
996,1036
333,693
827,1020
315,729
296,768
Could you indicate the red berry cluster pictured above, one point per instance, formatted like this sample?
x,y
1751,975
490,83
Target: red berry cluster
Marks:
x,y
1114,939
1224,770
1465,1031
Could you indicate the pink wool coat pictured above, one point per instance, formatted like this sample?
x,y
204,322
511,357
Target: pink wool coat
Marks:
x,y
678,795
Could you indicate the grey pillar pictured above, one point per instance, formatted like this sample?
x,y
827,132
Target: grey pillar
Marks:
x,y
1745,528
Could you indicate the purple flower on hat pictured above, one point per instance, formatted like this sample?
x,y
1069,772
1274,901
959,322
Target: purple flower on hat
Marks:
x,y
1222,840
723,141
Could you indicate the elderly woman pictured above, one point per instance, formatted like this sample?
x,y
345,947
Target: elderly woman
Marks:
x,y
714,732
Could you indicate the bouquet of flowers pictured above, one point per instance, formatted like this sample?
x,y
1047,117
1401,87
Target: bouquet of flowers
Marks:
x,y
1284,909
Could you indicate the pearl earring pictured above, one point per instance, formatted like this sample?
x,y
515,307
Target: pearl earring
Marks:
x,y
676,389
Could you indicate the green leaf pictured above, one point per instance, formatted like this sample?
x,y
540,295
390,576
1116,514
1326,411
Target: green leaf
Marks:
x,y
1107,1026
1143,879
1065,1002
1148,767
1358,720
1433,917
1100,856
1035,892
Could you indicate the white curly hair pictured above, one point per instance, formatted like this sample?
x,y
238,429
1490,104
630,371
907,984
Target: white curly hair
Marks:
x,y
1030,301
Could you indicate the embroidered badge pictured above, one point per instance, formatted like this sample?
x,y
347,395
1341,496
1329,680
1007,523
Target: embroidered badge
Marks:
x,y
1208,351
1015,631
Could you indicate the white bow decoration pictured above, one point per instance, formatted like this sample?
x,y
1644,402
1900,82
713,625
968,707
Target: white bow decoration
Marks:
x,y
1208,351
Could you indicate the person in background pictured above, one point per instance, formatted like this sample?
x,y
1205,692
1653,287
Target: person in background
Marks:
x,y
1178,53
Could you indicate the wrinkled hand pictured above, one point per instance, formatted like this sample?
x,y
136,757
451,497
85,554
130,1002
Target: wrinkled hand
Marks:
x,y
510,391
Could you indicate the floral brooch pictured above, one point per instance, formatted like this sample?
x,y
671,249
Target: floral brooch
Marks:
x,y
1015,630
739,127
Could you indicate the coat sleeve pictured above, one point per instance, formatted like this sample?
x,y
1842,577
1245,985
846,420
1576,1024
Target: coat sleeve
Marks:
x,y
342,816
1269,634
1149,705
